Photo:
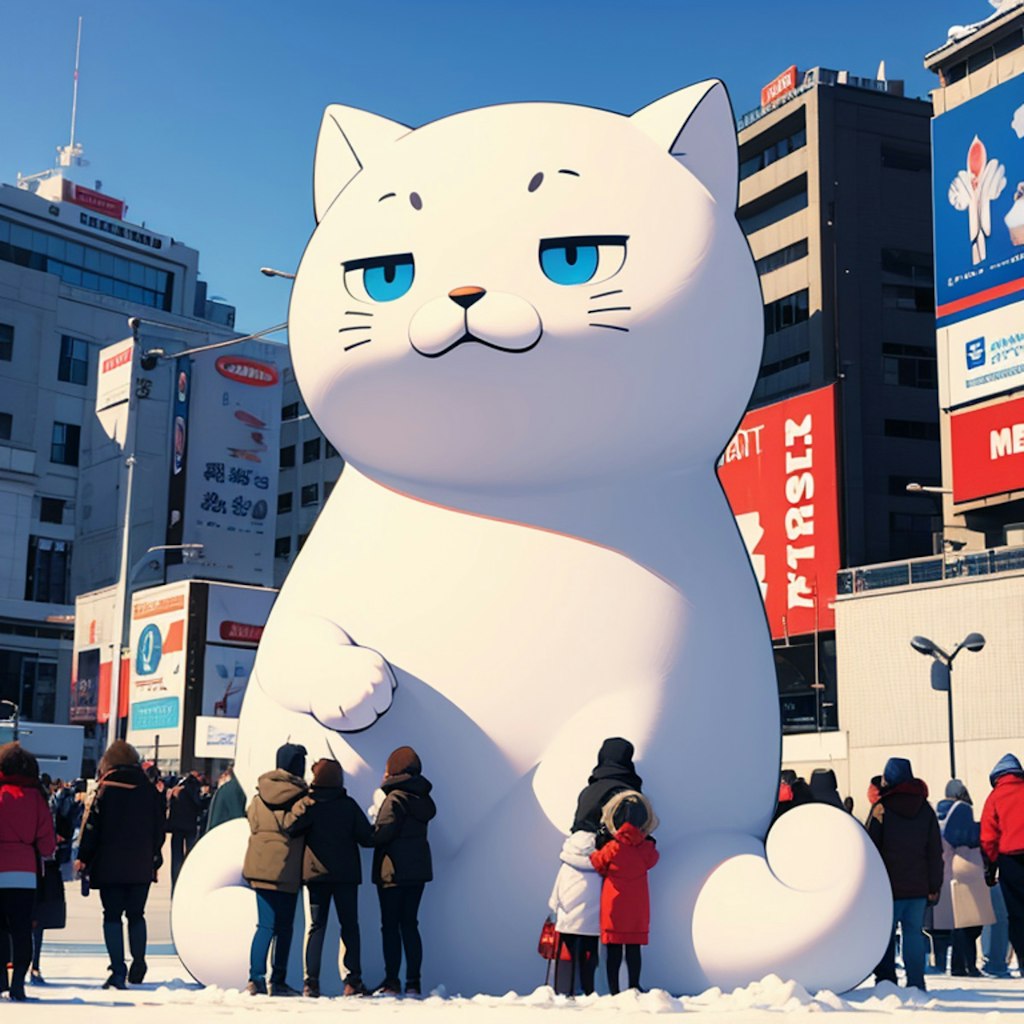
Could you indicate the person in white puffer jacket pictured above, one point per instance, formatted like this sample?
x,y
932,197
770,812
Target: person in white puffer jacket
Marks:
x,y
576,903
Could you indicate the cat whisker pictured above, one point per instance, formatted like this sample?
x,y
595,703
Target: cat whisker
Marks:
x,y
609,309
356,344
356,327
601,295
356,312
610,327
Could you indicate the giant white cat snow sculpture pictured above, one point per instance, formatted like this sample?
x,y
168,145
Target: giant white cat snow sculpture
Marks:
x,y
530,329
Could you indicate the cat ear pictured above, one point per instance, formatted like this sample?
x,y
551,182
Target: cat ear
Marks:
x,y
347,138
696,125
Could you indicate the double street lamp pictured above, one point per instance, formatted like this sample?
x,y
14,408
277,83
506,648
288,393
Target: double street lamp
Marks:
x,y
942,675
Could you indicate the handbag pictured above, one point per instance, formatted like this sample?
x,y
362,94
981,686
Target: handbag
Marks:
x,y
550,945
51,909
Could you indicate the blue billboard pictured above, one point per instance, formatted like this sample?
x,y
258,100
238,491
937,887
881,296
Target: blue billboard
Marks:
x,y
978,192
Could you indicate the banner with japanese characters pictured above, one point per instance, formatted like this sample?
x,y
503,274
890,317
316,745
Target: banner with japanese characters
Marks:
x,y
779,474
229,451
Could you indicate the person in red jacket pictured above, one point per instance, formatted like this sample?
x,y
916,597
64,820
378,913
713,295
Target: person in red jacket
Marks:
x,y
26,835
623,862
1002,841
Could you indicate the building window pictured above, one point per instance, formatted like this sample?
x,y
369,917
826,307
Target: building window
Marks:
x,y
785,312
328,488
287,457
782,257
330,452
6,342
282,547
64,443
311,450
30,683
86,266
908,366
751,163
896,159
284,502
290,412
6,424
907,280
51,510
774,206
74,360
310,495
49,570
301,540
913,430
910,534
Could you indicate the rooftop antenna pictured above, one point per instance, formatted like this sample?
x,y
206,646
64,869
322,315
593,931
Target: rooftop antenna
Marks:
x,y
71,154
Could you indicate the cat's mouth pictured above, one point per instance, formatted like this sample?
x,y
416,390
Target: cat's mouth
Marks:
x,y
468,337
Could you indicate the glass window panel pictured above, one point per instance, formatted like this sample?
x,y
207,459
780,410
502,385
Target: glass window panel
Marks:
x,y
76,253
136,273
92,259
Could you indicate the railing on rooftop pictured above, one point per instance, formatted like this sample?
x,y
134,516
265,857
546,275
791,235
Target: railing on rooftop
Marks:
x,y
813,77
934,569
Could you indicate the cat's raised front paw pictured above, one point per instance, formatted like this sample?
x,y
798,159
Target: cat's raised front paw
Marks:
x,y
352,690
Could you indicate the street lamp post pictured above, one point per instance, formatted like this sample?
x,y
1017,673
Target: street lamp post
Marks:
x,y
942,675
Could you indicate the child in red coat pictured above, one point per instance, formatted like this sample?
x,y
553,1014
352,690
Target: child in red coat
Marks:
x,y
625,902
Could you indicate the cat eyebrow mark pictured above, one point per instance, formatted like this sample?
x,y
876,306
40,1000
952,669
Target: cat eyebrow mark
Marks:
x,y
535,182
610,309
601,295
610,327
417,202
365,341
565,170
357,327
390,195
356,312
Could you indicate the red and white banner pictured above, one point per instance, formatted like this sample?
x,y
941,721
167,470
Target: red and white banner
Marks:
x,y
779,86
988,450
91,200
779,474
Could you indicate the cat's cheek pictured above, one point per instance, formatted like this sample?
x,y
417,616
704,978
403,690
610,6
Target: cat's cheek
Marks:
x,y
505,320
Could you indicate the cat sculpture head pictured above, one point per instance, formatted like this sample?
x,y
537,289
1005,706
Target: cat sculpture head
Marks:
x,y
528,296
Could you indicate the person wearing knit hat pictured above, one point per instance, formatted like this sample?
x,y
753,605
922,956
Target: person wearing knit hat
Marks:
x,y
402,867
1002,841
273,867
904,828
122,837
334,827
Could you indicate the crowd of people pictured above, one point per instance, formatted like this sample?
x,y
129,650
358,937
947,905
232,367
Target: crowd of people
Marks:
x,y
955,880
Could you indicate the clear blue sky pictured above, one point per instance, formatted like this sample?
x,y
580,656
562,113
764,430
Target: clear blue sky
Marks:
x,y
203,115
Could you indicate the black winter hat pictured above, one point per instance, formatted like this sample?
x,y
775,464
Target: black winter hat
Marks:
x,y
291,758
616,750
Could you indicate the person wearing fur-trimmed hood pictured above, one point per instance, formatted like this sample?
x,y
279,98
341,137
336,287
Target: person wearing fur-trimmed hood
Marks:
x,y
576,903
625,899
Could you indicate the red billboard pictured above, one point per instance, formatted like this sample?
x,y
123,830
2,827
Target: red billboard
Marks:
x,y
988,450
779,474
91,200
779,86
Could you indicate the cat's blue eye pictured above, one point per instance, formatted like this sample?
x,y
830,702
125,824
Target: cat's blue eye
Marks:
x,y
569,264
582,258
380,278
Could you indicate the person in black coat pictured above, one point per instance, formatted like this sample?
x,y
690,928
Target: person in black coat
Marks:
x,y
613,773
903,826
184,806
122,836
402,866
334,828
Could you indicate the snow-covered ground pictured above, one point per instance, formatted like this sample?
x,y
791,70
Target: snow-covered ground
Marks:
x,y
75,977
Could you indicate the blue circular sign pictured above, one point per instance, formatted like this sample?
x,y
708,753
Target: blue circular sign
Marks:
x,y
147,657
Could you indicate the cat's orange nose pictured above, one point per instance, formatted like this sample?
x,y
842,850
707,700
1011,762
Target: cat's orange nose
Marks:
x,y
467,295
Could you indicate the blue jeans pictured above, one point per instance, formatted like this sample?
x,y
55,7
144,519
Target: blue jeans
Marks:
x,y
275,922
908,915
995,938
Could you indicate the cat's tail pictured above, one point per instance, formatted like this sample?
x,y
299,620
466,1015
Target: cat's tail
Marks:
x,y
815,907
